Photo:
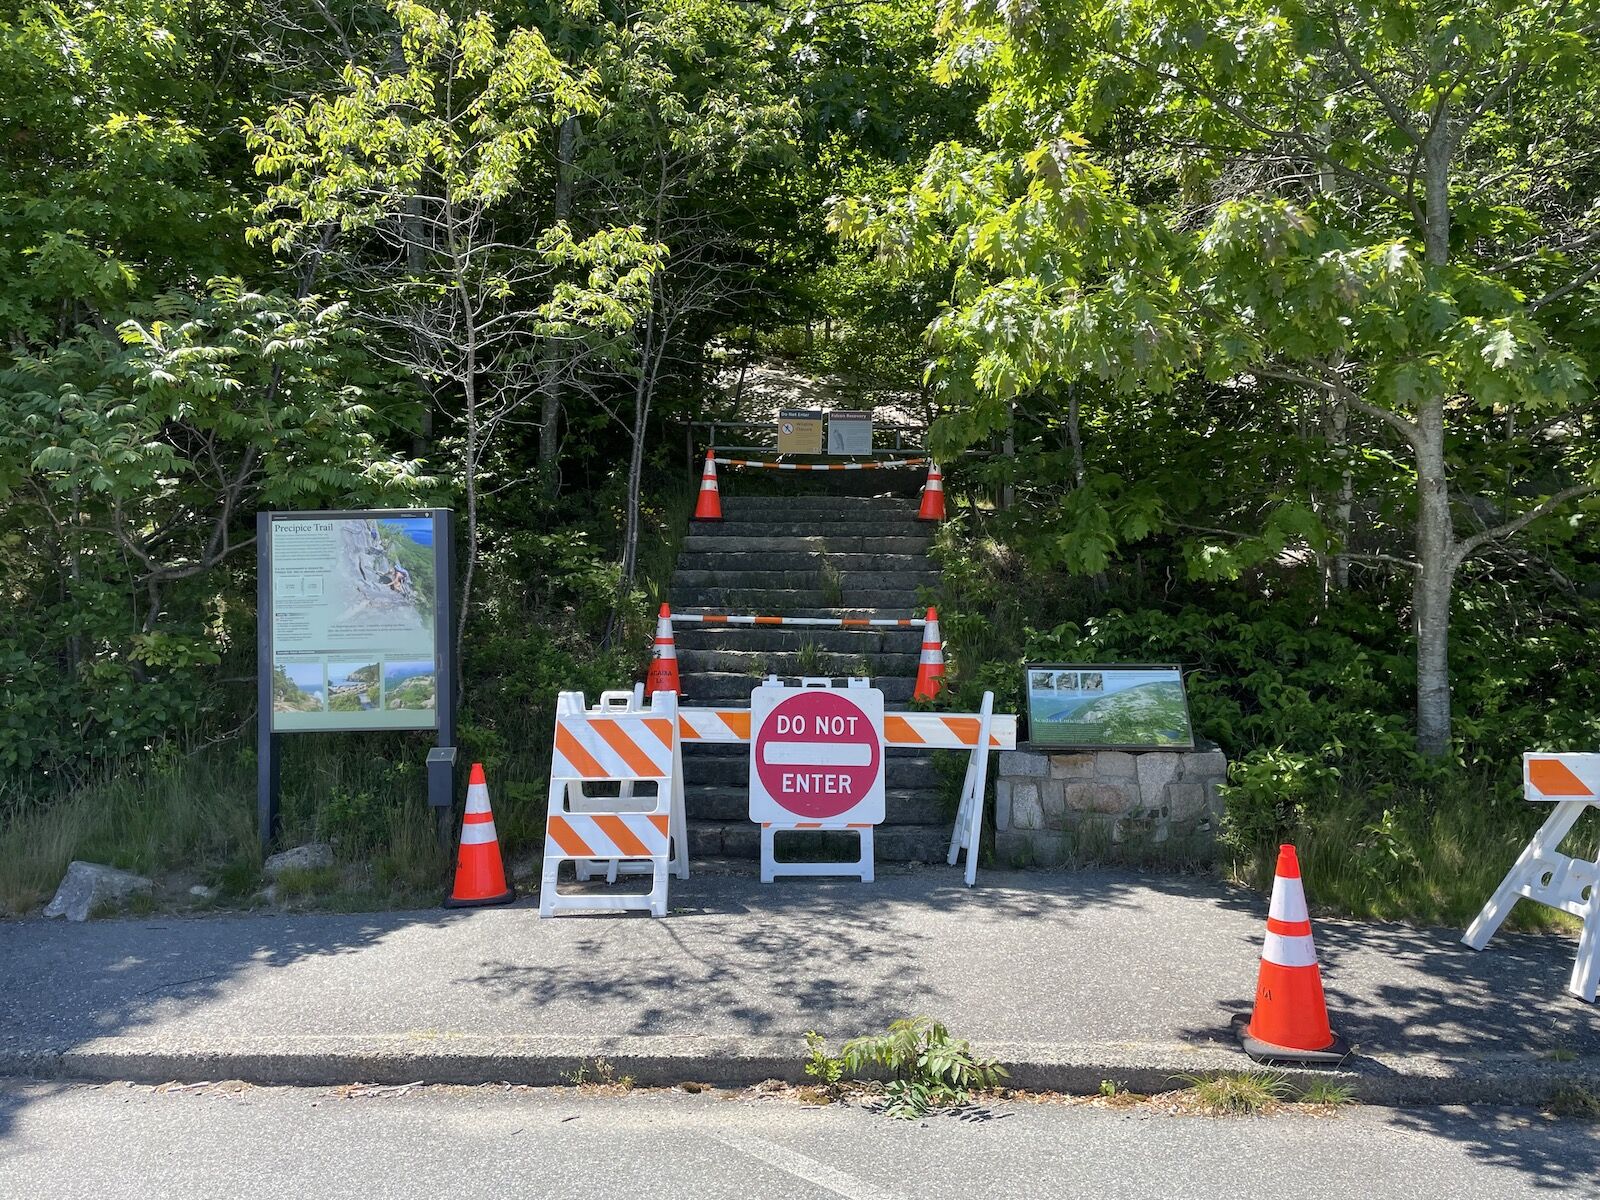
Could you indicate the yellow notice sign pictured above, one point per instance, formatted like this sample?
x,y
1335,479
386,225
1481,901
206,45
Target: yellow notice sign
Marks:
x,y
799,431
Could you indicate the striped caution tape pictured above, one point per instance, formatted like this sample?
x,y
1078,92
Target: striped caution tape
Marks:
x,y
609,835
854,466
830,622
936,731
606,747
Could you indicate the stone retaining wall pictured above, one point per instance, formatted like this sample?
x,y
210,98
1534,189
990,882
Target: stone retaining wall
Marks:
x,y
1056,808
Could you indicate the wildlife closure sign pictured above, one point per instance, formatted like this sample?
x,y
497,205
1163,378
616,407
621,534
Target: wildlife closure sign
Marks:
x,y
799,431
816,755
849,432
350,621
1106,707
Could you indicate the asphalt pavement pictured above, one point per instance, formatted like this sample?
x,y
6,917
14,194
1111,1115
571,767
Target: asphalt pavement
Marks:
x,y
113,1141
1068,977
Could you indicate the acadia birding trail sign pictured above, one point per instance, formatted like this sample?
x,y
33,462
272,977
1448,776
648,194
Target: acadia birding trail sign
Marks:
x,y
353,633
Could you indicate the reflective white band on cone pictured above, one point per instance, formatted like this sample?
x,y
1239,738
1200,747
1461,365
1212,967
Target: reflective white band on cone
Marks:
x,y
1288,900
476,833
1285,951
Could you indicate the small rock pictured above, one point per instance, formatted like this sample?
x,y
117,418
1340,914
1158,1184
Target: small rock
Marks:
x,y
268,894
86,885
203,892
310,857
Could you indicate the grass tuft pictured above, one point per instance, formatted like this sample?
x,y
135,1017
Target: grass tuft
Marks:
x,y
1245,1093
1327,1092
1574,1102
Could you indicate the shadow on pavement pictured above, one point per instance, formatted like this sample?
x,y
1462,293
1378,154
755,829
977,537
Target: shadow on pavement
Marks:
x,y
1561,1155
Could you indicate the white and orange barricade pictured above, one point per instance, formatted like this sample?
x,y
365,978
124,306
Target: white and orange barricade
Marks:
x,y
1542,873
978,733
616,800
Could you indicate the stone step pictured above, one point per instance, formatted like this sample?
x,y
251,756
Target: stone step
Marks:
x,y
780,577
796,662
788,639
789,601
892,843
902,806
817,544
801,560
902,770
726,687
828,506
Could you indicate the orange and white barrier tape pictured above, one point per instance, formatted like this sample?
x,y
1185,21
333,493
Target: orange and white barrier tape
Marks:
x,y
1542,873
852,466
934,731
829,622
622,741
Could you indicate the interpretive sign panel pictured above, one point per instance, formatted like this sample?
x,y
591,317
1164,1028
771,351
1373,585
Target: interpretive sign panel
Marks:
x,y
1117,707
816,754
799,431
354,636
849,432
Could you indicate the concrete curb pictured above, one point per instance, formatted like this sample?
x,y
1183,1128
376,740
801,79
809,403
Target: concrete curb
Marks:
x,y
731,1062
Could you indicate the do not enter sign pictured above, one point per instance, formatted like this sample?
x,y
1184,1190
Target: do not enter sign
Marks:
x,y
816,754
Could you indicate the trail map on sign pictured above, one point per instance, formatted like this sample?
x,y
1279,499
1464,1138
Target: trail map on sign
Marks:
x,y
816,754
352,623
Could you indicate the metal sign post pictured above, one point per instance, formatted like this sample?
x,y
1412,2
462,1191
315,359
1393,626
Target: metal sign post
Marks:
x,y
354,631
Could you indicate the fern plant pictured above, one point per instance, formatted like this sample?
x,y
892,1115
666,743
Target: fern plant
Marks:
x,y
927,1067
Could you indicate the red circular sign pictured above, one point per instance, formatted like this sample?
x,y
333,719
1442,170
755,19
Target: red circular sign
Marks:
x,y
817,754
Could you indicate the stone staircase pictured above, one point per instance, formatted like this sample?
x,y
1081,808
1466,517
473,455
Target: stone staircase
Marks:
x,y
805,555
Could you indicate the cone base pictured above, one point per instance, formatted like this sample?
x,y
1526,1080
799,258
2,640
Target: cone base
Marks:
x,y
505,897
1336,1051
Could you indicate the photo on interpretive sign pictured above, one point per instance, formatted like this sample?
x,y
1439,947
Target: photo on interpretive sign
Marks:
x,y
1108,707
299,687
408,684
352,623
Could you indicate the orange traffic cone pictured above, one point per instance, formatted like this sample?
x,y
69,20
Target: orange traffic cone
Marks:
x,y
480,875
932,496
663,676
709,506
930,670
1291,1016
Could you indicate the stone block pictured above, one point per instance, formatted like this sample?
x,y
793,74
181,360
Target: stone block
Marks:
x,y
87,885
1024,764
1199,764
1113,764
1186,801
1002,804
1027,810
1054,804
1100,797
1072,766
1155,771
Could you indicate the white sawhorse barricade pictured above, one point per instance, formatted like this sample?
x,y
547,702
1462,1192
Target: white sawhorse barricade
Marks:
x,y
1544,874
621,742
978,733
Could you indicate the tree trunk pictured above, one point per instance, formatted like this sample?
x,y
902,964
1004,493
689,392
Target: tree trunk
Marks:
x,y
1436,541
555,352
1431,594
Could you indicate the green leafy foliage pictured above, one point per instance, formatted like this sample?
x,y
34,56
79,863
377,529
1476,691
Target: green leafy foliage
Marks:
x,y
927,1068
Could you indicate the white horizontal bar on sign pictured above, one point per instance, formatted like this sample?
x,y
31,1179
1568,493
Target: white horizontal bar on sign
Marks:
x,y
816,754
839,622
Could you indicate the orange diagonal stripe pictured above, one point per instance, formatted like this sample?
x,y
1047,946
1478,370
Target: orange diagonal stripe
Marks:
x,y
660,820
582,761
899,731
965,728
738,723
563,835
662,728
1554,778
769,620
617,738
623,838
